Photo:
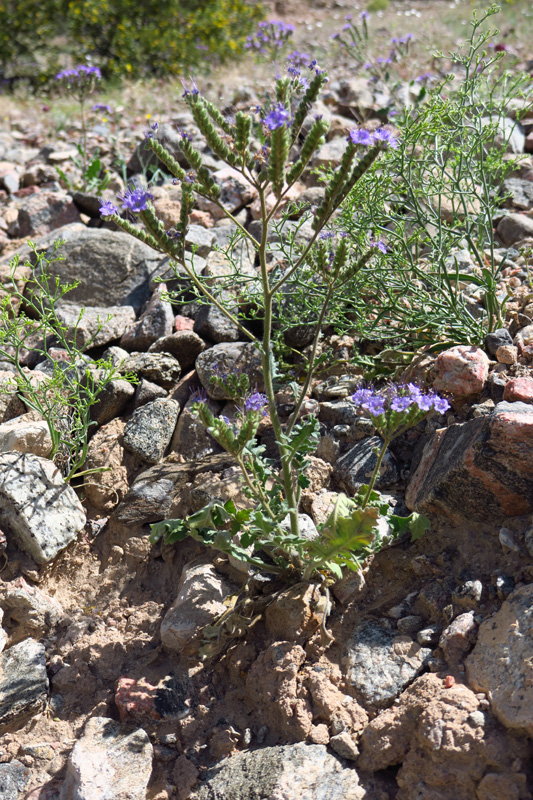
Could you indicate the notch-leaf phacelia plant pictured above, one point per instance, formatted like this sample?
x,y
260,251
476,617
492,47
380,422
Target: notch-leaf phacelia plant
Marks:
x,y
80,83
269,149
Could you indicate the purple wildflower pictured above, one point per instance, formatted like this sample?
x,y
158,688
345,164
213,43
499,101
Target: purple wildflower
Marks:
x,y
278,117
256,402
107,209
360,137
326,235
136,200
370,400
224,419
199,396
385,137
440,404
401,403
364,15
378,245
102,107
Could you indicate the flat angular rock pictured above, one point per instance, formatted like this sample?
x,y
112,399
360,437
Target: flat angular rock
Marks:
x,y
111,401
97,326
355,467
478,470
288,772
114,267
156,321
108,761
379,663
501,662
191,439
514,227
157,489
45,211
213,325
23,682
36,505
160,368
150,428
201,593
33,611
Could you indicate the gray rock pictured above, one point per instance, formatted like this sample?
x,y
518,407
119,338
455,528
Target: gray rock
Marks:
x,y
144,160
111,401
37,507
108,761
23,682
330,154
227,358
96,326
498,338
355,467
520,191
501,663
379,663
155,321
186,346
32,610
429,636
478,470
160,368
214,325
345,746
14,777
200,240
156,492
116,356
146,391
149,430
289,772
410,625
191,439
200,598
115,267
514,227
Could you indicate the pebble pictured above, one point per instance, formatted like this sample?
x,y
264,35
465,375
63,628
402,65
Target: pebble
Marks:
x,y
507,354
461,371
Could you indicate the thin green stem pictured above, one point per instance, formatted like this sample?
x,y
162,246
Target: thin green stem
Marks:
x,y
375,474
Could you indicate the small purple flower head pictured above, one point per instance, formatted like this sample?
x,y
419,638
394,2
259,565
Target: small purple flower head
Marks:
x,y
199,396
378,245
371,401
224,419
368,65
364,15
107,209
256,402
136,200
360,137
326,235
385,137
440,404
278,117
102,107
401,403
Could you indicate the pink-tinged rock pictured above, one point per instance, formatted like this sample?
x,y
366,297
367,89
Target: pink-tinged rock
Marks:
x,y
44,212
507,354
202,218
461,371
479,470
457,639
520,389
183,323
135,700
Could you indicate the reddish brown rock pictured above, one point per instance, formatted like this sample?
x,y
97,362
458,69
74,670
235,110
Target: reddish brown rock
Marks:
x,y
44,212
461,371
479,470
520,389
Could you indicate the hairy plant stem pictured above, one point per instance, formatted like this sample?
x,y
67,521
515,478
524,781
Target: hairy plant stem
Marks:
x,y
375,474
266,358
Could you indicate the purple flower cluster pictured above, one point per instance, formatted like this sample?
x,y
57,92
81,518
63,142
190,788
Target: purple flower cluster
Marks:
x,y
399,399
271,35
80,73
107,209
278,116
136,199
363,138
377,244
102,107
256,402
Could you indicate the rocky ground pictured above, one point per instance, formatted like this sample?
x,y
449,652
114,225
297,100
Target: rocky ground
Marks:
x,y
425,691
